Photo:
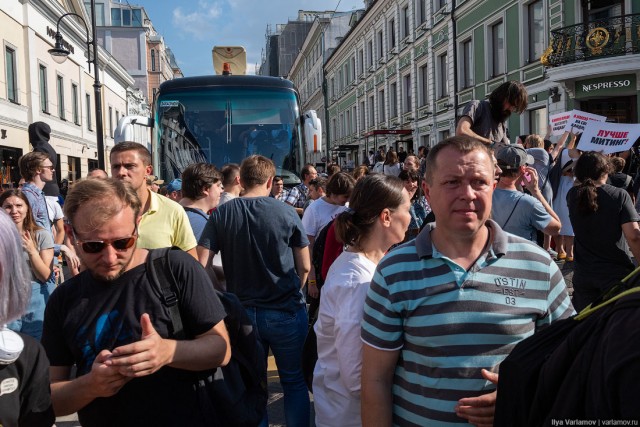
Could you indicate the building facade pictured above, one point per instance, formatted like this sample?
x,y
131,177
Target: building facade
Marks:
x,y
37,88
403,75
307,70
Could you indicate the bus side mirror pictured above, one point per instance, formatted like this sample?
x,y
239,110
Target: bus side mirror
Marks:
x,y
312,131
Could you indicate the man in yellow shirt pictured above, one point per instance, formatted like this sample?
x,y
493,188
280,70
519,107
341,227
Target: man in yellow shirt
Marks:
x,y
163,223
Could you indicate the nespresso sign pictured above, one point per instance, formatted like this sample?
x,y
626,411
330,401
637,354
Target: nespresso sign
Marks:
x,y
52,33
606,86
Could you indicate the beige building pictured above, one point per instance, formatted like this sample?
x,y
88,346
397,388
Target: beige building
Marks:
x,y
33,87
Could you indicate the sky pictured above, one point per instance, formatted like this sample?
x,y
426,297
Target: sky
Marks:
x,y
191,28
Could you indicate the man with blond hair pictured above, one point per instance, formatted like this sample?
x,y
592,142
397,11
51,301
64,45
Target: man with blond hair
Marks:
x,y
112,323
265,257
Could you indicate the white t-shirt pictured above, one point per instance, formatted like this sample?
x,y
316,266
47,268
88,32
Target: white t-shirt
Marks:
x,y
318,214
225,197
54,209
336,377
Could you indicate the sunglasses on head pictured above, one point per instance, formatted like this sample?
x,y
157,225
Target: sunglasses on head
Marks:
x,y
96,246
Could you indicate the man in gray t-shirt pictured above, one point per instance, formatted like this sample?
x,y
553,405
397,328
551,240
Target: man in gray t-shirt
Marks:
x,y
484,120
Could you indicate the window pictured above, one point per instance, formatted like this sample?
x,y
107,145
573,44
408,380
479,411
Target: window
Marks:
x,y
497,49
372,116
153,60
467,73
381,106
333,87
74,103
536,30
405,21
406,93
439,4
362,116
392,33
12,79
380,44
423,79
370,53
361,61
421,12
353,68
538,121
88,105
44,98
443,81
111,121
154,91
126,17
99,8
393,100
60,91
116,17
347,123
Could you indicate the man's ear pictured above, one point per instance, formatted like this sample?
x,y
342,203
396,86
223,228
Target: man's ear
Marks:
x,y
68,230
270,183
426,190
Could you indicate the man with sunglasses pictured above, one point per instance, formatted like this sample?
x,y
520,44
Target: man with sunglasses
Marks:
x,y
36,169
485,120
111,323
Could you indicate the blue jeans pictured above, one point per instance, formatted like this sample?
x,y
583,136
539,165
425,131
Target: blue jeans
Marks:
x,y
284,333
33,318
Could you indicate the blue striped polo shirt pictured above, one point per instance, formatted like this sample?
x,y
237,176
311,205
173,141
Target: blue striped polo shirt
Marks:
x,y
448,323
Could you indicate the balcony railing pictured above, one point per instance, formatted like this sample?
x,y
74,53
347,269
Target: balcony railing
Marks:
x,y
614,36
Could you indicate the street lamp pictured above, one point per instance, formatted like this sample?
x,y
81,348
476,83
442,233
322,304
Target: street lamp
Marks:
x,y
59,54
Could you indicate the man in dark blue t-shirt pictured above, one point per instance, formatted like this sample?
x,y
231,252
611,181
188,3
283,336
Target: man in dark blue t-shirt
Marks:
x,y
265,257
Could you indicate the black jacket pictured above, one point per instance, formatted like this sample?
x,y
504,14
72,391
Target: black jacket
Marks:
x,y
39,134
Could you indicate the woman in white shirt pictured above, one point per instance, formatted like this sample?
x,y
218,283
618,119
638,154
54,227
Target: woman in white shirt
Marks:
x,y
377,218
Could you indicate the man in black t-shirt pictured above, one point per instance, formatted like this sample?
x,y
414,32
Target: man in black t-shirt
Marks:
x,y
111,323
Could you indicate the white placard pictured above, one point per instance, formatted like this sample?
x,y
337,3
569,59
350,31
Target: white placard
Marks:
x,y
558,122
579,120
608,137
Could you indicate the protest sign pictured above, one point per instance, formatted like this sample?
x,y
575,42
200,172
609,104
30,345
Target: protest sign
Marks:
x,y
608,137
579,120
558,122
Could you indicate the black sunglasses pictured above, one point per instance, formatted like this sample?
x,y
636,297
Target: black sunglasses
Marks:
x,y
96,246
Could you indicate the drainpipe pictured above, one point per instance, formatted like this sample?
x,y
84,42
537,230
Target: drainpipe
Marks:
x,y
455,67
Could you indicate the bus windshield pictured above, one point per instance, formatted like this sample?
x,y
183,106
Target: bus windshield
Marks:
x,y
222,124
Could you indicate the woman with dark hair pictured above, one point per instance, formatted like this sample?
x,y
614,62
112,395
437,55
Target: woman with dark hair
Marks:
x,y
37,245
602,216
377,218
419,206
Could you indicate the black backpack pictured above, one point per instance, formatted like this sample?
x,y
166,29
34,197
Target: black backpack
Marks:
x,y
318,253
237,391
546,375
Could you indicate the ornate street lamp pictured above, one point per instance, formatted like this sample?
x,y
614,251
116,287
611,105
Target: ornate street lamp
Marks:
x,y
59,54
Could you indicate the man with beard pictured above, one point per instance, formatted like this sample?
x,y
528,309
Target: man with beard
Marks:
x,y
484,120
112,324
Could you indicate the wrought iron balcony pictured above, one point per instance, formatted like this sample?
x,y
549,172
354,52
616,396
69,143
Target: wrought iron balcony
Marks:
x,y
614,36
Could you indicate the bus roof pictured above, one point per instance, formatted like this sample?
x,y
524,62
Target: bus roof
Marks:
x,y
211,81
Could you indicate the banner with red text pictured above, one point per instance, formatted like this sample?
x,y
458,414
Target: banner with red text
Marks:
x,y
558,122
579,120
608,137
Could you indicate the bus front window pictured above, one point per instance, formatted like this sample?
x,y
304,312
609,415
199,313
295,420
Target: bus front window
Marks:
x,y
224,125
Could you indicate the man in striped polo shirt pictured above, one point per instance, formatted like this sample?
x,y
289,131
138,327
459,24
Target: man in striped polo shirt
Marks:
x,y
445,309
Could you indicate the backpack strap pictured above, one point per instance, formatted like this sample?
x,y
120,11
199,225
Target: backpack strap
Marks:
x,y
512,211
159,269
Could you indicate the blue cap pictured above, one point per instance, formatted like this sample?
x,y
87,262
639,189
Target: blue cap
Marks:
x,y
175,185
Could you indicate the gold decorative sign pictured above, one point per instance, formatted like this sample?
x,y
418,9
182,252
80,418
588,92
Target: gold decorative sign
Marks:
x,y
597,39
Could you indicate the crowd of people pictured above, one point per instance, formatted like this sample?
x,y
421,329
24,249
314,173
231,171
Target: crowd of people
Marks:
x,y
417,274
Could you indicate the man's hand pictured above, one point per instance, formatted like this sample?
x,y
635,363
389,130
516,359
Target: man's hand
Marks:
x,y
106,380
530,184
143,357
479,410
